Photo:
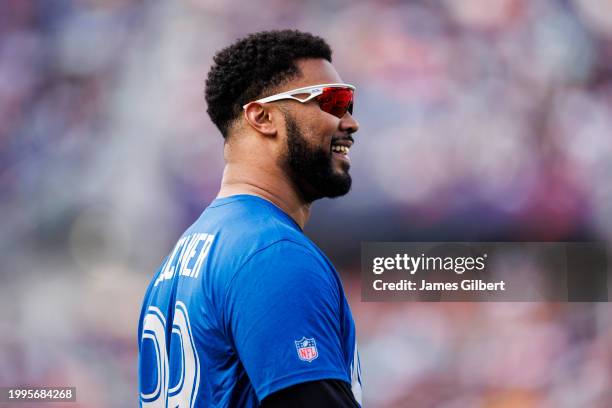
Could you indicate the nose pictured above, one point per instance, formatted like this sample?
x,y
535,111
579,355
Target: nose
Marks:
x,y
348,123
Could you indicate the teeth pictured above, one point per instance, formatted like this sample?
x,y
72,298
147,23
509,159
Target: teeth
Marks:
x,y
340,149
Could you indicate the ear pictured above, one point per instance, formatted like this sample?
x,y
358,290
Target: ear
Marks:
x,y
260,118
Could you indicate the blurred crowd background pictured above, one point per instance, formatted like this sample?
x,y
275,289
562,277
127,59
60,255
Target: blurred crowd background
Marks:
x,y
480,120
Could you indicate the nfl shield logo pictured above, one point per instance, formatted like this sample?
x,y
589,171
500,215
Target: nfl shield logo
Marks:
x,y
306,349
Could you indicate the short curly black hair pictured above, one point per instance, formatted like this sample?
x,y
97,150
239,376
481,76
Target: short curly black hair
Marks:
x,y
254,65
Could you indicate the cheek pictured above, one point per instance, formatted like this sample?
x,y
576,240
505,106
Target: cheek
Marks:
x,y
320,131
320,138
318,127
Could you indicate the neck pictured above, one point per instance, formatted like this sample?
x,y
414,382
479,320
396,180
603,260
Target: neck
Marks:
x,y
270,184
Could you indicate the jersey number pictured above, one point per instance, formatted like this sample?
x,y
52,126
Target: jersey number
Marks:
x,y
174,381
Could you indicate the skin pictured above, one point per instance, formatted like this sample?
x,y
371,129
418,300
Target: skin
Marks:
x,y
256,148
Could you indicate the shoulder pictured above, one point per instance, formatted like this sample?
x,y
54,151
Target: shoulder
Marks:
x,y
285,258
281,280
254,238
286,270
247,226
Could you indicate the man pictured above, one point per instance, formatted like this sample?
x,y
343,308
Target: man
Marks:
x,y
246,311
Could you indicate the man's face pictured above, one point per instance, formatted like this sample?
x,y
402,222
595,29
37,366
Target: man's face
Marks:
x,y
313,161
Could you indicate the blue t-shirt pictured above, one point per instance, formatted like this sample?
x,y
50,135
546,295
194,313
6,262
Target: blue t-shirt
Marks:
x,y
245,305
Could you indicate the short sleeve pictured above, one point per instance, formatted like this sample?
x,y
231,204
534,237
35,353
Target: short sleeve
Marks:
x,y
283,314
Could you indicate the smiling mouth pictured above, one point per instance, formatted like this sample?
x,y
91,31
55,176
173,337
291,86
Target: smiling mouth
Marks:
x,y
343,150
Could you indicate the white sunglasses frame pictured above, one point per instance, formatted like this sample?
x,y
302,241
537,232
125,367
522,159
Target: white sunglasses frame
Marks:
x,y
313,90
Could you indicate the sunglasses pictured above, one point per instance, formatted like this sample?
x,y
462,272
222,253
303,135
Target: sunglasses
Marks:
x,y
335,99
